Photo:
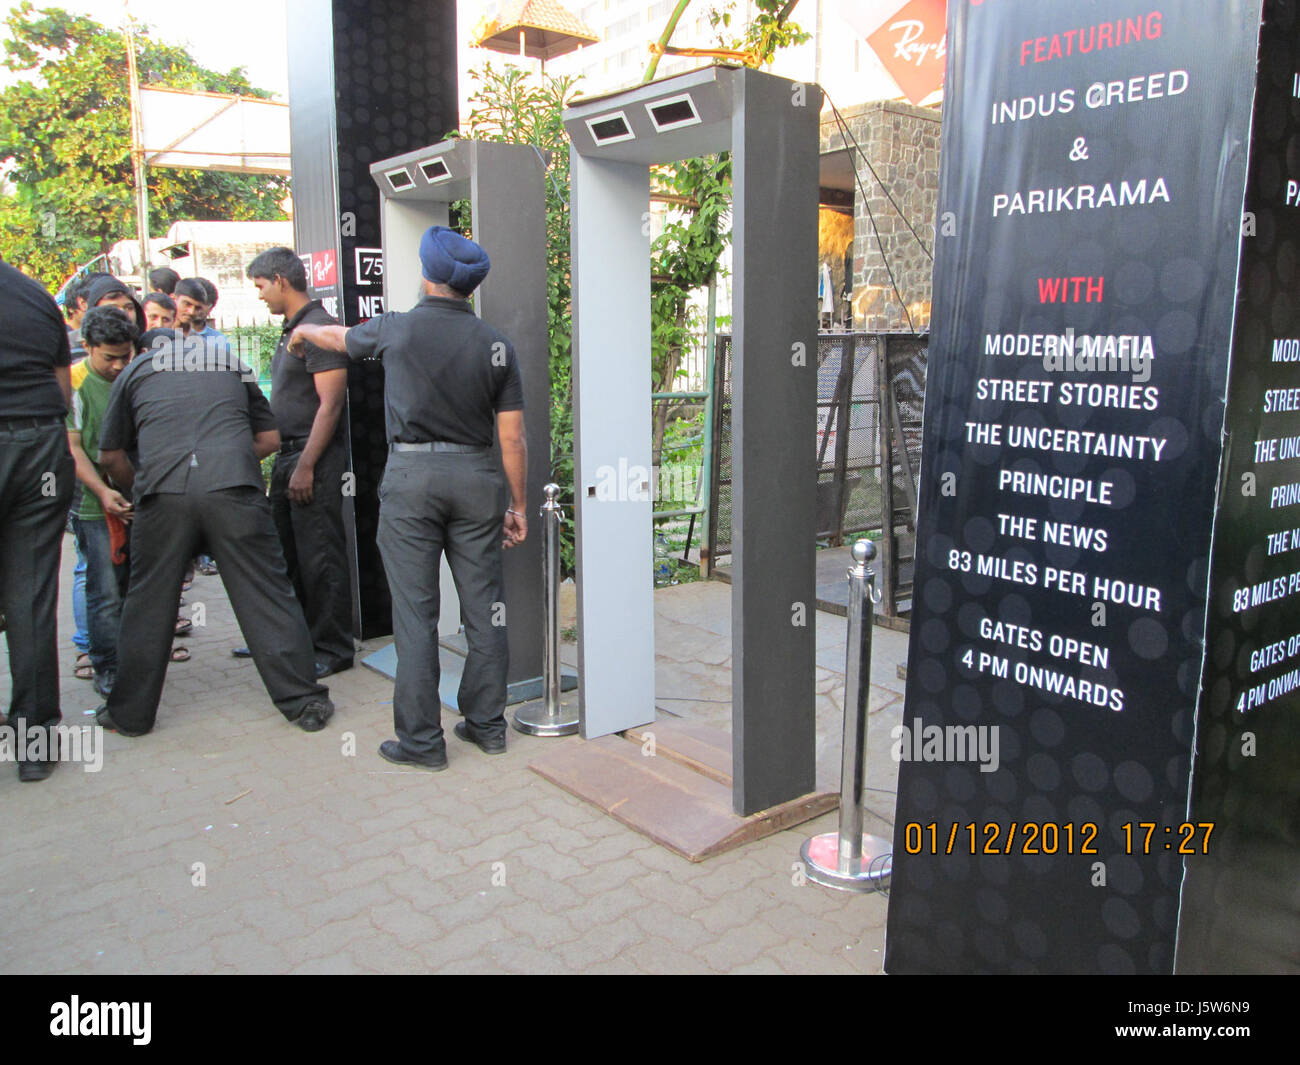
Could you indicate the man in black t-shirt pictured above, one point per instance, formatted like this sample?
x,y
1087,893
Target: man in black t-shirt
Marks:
x,y
199,428
308,396
36,483
450,380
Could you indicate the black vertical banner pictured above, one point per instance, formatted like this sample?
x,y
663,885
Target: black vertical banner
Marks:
x,y
1241,904
368,79
1090,217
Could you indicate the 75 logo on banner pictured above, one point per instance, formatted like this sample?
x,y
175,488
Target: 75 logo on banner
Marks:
x,y
370,266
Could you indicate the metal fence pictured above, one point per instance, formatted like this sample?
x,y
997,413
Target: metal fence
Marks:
x,y
870,392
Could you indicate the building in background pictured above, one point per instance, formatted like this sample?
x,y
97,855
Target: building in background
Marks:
x,y
880,63
839,57
219,251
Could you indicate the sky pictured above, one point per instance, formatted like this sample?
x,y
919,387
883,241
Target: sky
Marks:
x,y
248,33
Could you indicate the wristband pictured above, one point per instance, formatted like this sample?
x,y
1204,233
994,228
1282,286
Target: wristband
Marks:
x,y
516,513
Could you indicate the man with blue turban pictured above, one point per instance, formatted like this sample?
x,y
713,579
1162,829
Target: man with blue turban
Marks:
x,y
450,383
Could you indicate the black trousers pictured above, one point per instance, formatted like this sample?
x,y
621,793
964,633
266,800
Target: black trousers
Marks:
x,y
37,477
315,551
233,525
430,503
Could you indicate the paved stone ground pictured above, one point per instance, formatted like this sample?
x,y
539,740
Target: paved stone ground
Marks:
x,y
230,841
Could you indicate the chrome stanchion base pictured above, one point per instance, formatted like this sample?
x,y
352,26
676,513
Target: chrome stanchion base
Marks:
x,y
532,720
821,862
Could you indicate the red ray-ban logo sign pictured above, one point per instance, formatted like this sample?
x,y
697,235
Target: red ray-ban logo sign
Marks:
x,y
324,269
913,46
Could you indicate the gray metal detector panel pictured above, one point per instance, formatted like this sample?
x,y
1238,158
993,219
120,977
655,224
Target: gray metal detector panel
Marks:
x,y
507,190
771,125
774,397
611,418
505,184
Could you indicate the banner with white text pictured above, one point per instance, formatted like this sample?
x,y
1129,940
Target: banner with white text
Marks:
x,y
1094,165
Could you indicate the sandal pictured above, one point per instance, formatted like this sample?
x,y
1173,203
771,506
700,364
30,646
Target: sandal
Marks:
x,y
83,669
179,653
184,626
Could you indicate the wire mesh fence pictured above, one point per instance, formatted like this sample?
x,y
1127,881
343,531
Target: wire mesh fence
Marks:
x,y
870,393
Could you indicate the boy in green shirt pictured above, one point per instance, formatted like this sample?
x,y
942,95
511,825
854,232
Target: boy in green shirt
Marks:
x,y
110,342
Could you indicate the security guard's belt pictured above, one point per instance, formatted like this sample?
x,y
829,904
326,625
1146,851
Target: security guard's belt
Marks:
x,y
32,423
440,445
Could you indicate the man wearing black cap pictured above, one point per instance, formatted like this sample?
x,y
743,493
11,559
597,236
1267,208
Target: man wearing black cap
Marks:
x,y
108,291
449,380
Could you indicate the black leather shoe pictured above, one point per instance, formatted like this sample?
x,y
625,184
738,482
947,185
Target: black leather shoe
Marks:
x,y
315,716
322,670
38,769
33,771
391,751
241,652
491,745
104,721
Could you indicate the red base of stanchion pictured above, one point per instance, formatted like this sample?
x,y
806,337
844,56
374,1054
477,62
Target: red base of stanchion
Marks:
x,y
821,859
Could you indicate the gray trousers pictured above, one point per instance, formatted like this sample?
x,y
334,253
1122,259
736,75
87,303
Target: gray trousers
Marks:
x,y
36,482
315,551
431,502
235,526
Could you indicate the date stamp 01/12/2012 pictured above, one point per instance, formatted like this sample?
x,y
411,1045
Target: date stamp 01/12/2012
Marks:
x,y
1050,837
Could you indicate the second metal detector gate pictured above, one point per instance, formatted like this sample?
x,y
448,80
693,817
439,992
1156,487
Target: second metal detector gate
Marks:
x,y
770,125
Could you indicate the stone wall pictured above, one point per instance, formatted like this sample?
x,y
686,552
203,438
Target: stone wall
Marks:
x,y
902,143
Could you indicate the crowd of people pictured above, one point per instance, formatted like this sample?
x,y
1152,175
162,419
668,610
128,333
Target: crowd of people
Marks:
x,y
151,457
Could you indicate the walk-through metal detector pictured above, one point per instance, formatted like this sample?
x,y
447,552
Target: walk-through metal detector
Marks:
x,y
770,125
505,184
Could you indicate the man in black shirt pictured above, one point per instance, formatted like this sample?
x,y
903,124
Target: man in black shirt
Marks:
x,y
308,396
449,381
200,428
36,484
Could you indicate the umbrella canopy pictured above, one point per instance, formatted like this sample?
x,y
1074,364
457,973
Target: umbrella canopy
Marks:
x,y
541,29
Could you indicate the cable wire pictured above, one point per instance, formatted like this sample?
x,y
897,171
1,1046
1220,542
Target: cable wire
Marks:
x,y
847,134
844,128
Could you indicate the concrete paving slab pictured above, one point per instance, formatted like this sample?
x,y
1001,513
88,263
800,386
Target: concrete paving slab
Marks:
x,y
331,860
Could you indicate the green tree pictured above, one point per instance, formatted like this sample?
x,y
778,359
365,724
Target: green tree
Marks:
x,y
66,132
509,105
687,255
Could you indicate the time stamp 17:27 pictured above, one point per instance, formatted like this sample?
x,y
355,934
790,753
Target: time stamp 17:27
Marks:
x,y
1050,837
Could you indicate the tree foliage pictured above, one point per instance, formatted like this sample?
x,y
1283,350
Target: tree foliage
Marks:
x,y
764,35
687,255
509,105
66,132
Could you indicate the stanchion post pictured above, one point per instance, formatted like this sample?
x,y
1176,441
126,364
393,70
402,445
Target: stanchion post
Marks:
x,y
847,859
549,718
